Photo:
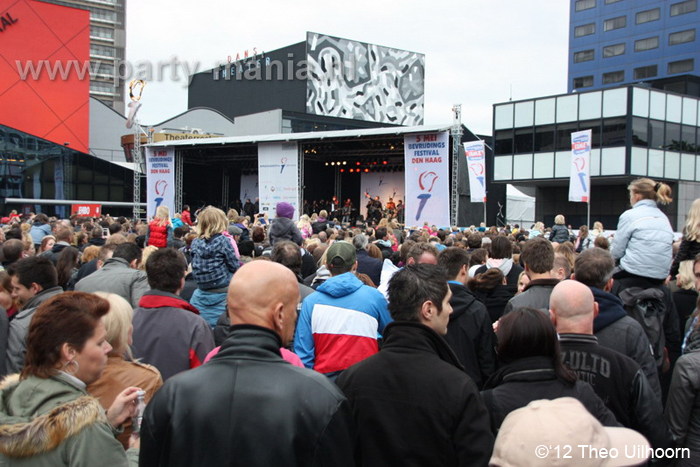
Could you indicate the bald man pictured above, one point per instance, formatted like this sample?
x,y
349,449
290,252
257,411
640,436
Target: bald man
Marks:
x,y
248,406
617,379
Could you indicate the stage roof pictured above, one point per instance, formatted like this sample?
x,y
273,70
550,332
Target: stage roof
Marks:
x,y
309,136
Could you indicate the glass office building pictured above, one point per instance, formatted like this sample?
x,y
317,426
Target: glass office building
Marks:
x,y
34,168
613,42
636,132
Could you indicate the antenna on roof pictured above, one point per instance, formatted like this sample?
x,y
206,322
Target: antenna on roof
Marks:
x,y
511,93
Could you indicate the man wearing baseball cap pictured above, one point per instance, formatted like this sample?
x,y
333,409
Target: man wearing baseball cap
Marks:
x,y
339,323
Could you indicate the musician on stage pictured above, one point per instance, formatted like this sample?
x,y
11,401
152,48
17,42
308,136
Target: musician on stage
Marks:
x,y
347,211
390,208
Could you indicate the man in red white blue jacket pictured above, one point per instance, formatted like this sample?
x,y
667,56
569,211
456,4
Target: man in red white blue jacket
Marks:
x,y
339,324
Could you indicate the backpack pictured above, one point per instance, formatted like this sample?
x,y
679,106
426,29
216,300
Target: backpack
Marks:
x,y
647,307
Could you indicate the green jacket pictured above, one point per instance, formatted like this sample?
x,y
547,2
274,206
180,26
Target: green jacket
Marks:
x,y
53,422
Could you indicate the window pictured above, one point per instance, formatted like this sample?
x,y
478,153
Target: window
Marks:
x,y
544,138
613,77
584,56
504,142
101,50
523,140
640,132
646,72
648,16
681,66
615,23
584,5
102,33
585,30
614,132
681,37
646,44
613,50
583,82
682,8
608,2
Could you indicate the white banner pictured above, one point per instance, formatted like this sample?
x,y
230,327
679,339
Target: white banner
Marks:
x,y
160,178
249,188
580,180
476,164
383,184
278,178
427,179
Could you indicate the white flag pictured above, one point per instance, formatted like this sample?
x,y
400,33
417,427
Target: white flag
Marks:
x,y
476,164
580,181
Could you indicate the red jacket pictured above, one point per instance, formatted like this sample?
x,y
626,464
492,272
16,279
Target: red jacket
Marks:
x,y
185,217
158,234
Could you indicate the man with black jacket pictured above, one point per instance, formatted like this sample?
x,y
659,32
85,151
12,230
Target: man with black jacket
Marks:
x,y
247,406
613,327
413,402
365,263
538,258
469,332
617,379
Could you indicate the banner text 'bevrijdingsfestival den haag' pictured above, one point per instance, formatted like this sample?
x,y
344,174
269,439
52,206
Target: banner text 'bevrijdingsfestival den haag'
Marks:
x,y
427,179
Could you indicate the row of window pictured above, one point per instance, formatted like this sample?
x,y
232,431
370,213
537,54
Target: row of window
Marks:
x,y
650,71
649,43
609,132
680,8
641,17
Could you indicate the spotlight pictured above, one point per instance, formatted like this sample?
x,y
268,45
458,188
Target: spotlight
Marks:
x,y
366,170
326,164
374,163
342,170
384,162
332,163
345,162
357,163
352,170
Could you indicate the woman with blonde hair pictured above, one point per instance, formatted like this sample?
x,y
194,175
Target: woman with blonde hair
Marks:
x,y
643,243
686,297
121,370
690,246
148,251
213,263
160,230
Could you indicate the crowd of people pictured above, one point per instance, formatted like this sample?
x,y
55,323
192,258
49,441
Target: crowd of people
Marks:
x,y
229,338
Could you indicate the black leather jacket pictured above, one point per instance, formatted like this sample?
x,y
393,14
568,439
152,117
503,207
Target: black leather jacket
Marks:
x,y
248,406
620,382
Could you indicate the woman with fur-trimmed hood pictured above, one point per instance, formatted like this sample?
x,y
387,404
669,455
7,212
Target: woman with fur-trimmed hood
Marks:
x,y
47,418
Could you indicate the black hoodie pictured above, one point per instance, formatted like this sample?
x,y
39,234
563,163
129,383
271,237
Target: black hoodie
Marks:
x,y
470,334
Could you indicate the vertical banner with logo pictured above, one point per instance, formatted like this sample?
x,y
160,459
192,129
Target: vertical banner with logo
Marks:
x,y
580,180
427,179
476,164
278,178
160,178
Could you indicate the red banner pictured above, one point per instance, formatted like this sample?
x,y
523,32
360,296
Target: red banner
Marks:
x,y
87,210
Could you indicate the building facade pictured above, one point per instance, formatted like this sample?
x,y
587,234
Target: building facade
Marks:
x,y
637,132
614,42
325,83
107,45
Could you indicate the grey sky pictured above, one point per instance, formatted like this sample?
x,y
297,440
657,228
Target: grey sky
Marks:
x,y
475,49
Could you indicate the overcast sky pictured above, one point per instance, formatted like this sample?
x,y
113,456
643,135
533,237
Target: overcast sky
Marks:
x,y
476,50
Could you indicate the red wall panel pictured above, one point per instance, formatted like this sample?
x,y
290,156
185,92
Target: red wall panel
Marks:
x,y
46,36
